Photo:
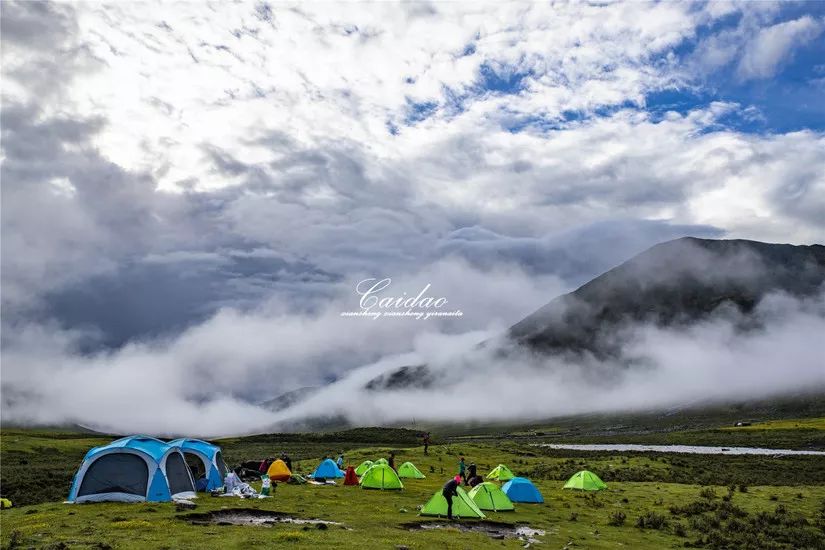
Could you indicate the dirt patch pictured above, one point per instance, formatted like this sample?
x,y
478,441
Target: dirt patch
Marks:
x,y
492,529
252,517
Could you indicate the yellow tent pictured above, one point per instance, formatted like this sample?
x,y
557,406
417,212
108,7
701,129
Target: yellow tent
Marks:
x,y
278,471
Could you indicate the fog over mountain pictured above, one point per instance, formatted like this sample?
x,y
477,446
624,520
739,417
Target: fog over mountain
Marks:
x,y
192,192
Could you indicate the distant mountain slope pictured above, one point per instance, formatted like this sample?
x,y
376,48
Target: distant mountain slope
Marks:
x,y
679,281
286,400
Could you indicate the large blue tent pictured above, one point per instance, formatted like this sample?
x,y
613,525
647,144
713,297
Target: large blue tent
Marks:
x,y
327,469
133,469
210,458
520,489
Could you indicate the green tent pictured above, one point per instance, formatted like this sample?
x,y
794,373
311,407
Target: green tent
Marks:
x,y
488,496
585,481
463,506
408,469
381,461
501,473
381,476
363,467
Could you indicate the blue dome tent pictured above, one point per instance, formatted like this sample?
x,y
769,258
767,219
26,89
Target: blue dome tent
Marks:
x,y
520,489
327,469
209,457
132,469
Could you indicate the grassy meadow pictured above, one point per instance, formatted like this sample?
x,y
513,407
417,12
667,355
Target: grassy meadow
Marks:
x,y
653,501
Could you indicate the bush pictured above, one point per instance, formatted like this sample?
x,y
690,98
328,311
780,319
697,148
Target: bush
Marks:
x,y
651,520
708,493
617,519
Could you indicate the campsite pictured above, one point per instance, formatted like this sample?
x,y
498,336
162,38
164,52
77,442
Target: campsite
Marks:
x,y
652,500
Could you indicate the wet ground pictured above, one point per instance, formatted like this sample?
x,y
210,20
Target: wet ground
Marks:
x,y
252,517
492,529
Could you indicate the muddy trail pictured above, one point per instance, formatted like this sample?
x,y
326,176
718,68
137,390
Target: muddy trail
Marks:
x,y
494,530
253,517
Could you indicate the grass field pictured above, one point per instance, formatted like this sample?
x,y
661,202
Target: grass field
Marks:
x,y
654,501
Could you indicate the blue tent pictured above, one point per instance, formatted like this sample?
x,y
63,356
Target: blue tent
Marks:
x,y
327,469
209,456
521,489
132,469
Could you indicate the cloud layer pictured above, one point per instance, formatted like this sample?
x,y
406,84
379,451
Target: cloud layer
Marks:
x,y
191,191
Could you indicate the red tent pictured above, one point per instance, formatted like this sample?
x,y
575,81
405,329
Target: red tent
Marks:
x,y
350,478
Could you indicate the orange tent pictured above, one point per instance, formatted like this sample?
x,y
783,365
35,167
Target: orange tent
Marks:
x,y
278,471
350,478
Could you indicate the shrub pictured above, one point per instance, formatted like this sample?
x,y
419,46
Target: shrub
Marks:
x,y
708,493
651,520
617,519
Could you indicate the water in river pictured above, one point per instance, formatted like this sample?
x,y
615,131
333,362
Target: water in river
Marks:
x,y
690,449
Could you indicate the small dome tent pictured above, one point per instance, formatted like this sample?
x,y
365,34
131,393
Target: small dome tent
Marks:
x,y
463,506
208,455
381,476
521,489
363,467
381,461
327,469
278,471
501,473
585,481
132,469
488,496
409,470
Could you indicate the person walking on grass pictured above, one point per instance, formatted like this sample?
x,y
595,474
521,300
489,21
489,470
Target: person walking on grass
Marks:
x,y
449,491
391,460
426,442
340,461
462,469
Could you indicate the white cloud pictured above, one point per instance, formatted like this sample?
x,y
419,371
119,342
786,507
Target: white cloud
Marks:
x,y
771,46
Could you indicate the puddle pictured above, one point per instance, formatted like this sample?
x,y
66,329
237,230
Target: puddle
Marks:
x,y
492,529
252,517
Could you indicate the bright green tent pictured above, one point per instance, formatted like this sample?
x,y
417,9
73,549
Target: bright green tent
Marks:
x,y
363,467
408,469
463,506
488,496
585,481
501,473
381,476
381,461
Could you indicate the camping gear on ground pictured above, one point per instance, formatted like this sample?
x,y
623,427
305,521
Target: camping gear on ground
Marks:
x,y
266,483
381,476
278,471
409,470
133,469
296,479
363,467
463,506
327,469
350,477
381,461
488,496
234,487
501,473
521,489
473,481
207,455
5,503
585,481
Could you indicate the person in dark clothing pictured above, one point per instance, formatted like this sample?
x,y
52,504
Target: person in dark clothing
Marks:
x,y
287,460
426,442
462,470
449,491
472,470
391,460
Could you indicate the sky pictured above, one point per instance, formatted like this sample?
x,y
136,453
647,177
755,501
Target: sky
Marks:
x,y
191,191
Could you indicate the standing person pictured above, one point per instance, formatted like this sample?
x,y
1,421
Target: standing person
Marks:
x,y
472,471
391,460
449,491
426,442
462,469
287,460
340,461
